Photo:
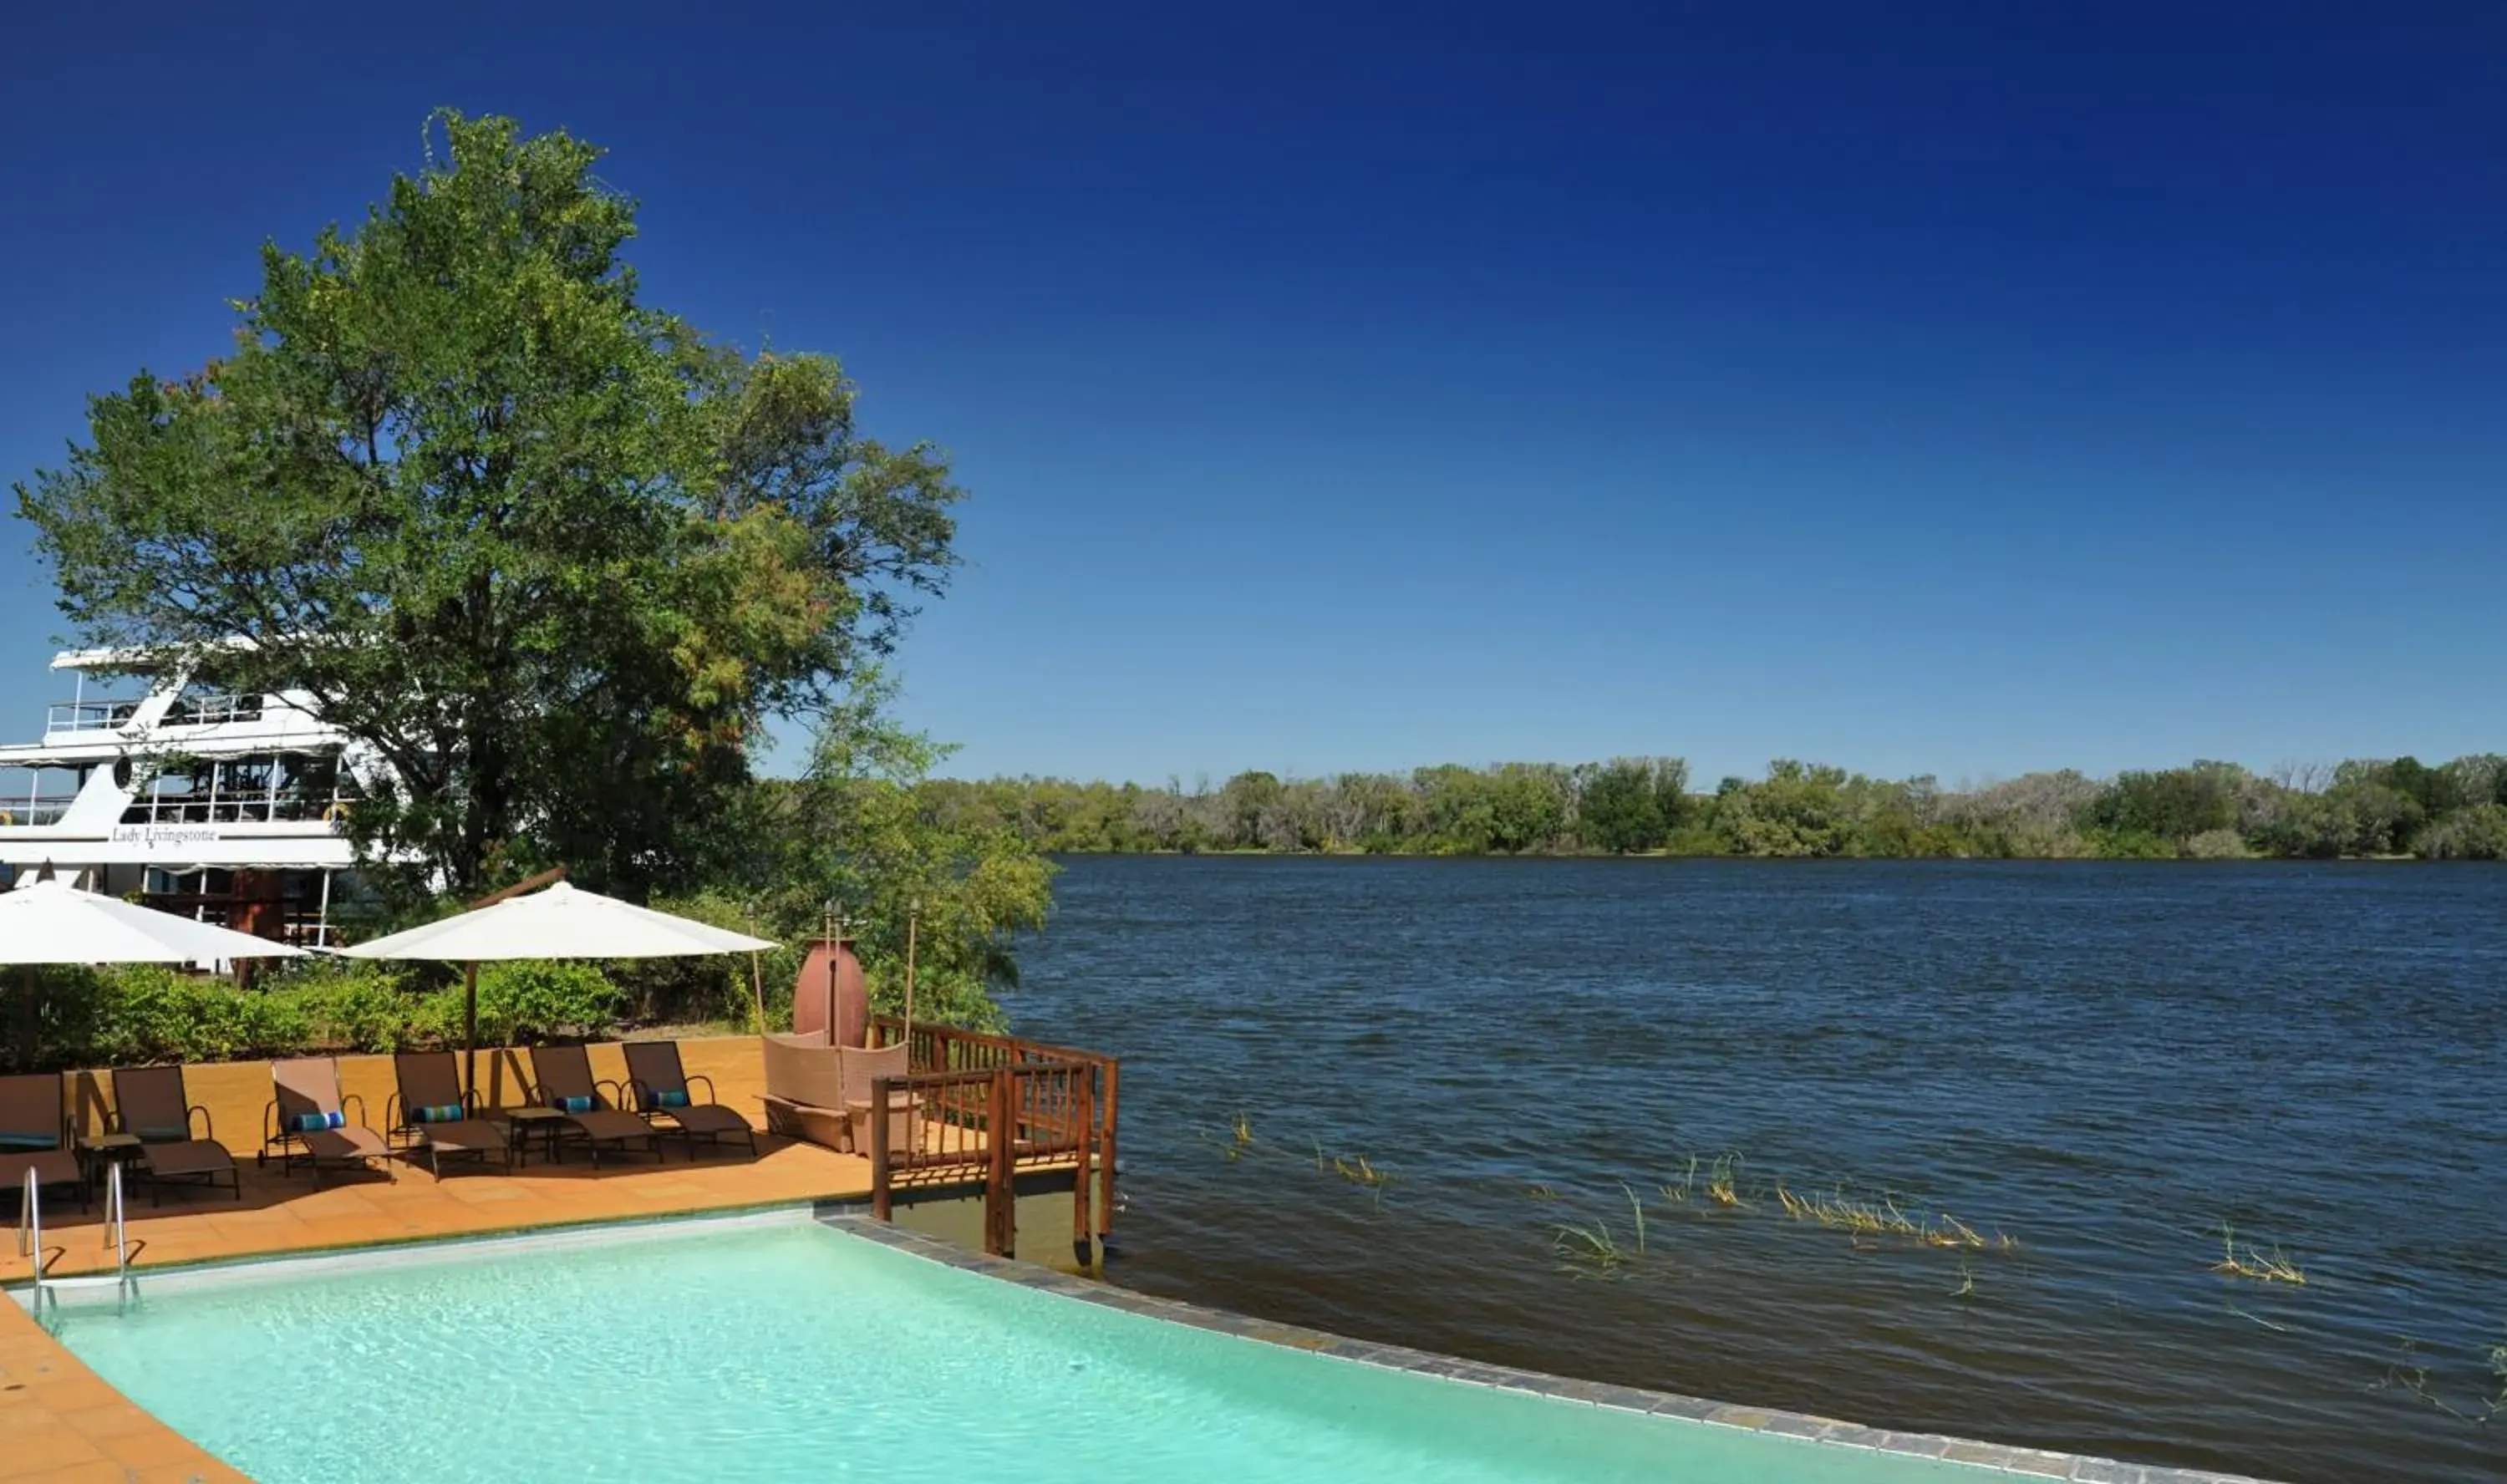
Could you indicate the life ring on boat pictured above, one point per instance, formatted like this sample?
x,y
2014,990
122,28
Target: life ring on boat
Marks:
x,y
334,814
7,818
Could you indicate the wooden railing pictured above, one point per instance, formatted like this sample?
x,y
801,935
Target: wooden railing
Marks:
x,y
976,1107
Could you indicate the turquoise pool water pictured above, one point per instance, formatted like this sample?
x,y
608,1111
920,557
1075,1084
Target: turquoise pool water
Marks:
x,y
792,1351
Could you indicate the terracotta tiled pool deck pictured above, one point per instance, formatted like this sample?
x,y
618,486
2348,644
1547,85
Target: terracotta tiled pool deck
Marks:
x,y
58,1421
282,1215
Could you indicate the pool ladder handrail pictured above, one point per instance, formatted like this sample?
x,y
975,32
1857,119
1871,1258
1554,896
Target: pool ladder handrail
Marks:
x,y
30,1240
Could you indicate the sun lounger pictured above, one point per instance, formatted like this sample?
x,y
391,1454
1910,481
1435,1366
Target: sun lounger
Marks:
x,y
430,1112
34,1133
660,1085
149,1106
565,1082
309,1120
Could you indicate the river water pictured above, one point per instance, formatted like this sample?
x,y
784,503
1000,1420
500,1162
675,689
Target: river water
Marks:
x,y
2104,1063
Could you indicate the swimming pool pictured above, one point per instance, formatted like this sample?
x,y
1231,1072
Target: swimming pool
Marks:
x,y
785,1350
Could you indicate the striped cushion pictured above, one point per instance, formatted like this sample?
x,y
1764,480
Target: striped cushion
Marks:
x,y
440,1112
31,1141
315,1122
575,1105
675,1097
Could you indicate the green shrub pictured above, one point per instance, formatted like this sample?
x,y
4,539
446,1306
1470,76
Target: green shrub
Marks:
x,y
528,1000
350,1005
131,1015
138,1013
712,989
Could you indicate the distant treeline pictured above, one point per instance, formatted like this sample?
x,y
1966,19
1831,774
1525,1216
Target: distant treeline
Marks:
x,y
2402,806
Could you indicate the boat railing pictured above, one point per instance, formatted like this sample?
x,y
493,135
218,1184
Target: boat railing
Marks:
x,y
34,808
248,808
68,717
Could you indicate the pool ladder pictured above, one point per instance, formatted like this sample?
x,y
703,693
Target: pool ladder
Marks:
x,y
30,1241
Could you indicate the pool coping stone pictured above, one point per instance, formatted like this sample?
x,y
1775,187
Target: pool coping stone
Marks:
x,y
2029,1463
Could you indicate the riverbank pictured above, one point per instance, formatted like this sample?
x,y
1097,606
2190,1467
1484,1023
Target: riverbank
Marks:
x,y
2208,811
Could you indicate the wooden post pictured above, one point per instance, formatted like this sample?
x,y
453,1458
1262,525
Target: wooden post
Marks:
x,y
1106,1153
470,1028
1000,1148
879,1178
756,976
1083,1240
913,924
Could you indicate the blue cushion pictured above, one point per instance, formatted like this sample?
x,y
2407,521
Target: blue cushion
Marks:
x,y
676,1097
31,1141
571,1105
440,1112
167,1133
315,1122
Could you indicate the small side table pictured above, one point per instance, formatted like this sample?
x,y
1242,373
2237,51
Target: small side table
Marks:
x,y
526,1121
97,1150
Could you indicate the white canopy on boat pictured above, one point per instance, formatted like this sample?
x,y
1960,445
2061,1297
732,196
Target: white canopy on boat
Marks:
x,y
52,922
559,921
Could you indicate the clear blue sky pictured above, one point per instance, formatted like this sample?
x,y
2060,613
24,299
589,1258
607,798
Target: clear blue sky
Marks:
x,y
1963,388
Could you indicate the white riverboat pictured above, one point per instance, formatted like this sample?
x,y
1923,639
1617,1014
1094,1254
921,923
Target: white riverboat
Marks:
x,y
230,808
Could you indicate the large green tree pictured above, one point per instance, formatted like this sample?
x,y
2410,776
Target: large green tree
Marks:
x,y
548,552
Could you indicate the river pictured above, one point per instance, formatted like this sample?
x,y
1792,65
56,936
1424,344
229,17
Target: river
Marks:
x,y
2104,1063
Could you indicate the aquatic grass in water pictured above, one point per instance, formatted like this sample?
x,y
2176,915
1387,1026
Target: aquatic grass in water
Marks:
x,y
2409,1375
1723,1183
1588,1251
1360,1172
2253,1262
1884,1217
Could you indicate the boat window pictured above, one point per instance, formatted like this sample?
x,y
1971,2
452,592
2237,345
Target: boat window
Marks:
x,y
262,787
38,795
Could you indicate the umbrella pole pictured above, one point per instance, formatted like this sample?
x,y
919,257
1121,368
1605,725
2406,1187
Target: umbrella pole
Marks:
x,y
470,1026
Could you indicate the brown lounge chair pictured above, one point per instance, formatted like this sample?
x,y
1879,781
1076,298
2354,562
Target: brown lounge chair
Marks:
x,y
661,1088
429,1110
34,1133
149,1105
591,1106
309,1120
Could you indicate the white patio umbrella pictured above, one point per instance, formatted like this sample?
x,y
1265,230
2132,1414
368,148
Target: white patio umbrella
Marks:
x,y
45,920
560,922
